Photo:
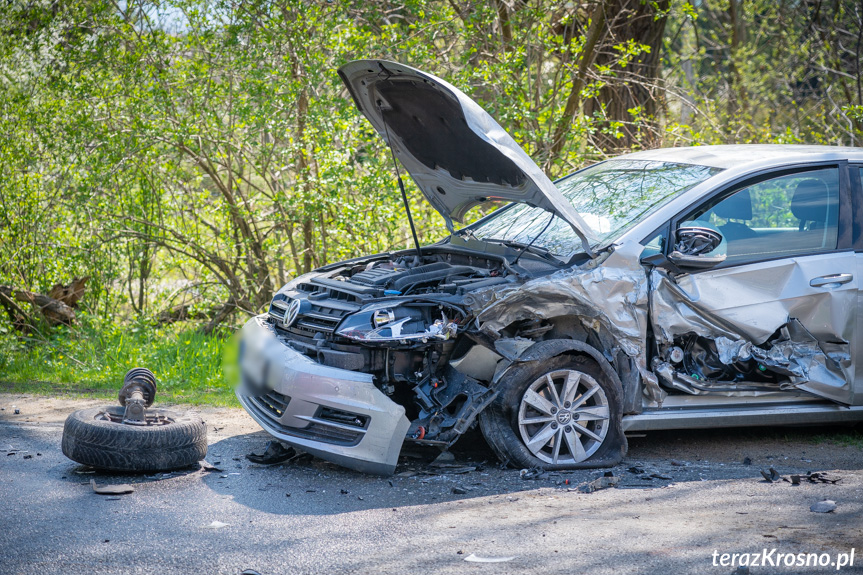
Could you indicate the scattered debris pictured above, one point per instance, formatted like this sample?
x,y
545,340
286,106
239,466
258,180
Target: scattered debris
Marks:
x,y
821,477
208,467
826,506
274,453
677,463
747,461
111,489
533,473
445,469
661,476
604,482
249,572
477,559
813,477
17,412
636,470
459,490
28,456
444,458
345,491
772,476
215,525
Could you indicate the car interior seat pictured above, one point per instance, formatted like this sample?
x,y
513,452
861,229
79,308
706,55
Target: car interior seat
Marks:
x,y
812,204
736,207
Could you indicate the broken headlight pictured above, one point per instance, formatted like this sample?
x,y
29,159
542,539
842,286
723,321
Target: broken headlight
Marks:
x,y
395,324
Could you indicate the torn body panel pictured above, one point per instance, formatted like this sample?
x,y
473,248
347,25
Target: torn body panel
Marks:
x,y
608,298
758,328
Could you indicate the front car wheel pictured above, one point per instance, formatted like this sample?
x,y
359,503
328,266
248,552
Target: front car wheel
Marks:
x,y
560,413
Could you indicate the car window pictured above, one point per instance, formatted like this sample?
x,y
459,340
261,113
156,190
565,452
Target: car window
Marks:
x,y
792,214
654,245
611,197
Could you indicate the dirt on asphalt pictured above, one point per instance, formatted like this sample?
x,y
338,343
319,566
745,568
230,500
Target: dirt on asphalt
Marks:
x,y
680,497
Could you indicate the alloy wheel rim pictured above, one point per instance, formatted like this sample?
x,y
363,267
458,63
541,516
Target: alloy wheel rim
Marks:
x,y
563,417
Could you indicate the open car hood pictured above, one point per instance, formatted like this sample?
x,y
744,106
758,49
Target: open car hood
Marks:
x,y
454,150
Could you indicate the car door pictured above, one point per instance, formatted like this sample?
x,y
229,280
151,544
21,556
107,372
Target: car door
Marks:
x,y
780,313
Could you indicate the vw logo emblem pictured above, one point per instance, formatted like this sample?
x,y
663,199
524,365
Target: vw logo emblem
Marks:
x,y
292,313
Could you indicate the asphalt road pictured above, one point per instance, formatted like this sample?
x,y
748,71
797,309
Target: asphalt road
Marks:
x,y
313,517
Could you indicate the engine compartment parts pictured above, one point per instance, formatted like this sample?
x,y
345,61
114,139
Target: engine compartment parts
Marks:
x,y
134,437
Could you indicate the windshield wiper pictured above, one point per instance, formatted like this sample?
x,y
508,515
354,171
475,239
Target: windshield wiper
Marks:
x,y
537,250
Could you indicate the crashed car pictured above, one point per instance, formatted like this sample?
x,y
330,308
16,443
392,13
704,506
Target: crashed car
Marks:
x,y
676,288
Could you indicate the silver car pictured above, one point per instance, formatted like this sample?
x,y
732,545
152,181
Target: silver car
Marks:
x,y
668,289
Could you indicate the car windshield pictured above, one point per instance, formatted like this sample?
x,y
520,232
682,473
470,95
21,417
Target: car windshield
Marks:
x,y
611,196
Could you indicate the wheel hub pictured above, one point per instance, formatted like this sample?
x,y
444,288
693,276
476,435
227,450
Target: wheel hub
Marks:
x,y
563,417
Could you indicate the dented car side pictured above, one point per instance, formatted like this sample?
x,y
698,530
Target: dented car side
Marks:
x,y
556,328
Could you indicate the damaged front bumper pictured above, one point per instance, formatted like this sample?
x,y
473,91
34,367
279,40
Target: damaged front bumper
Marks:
x,y
334,414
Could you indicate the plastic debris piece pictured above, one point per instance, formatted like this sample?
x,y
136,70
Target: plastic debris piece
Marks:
x,y
826,506
17,412
28,456
444,458
274,453
636,470
216,525
603,482
747,461
477,559
459,490
249,572
771,476
122,489
795,480
661,476
208,467
533,473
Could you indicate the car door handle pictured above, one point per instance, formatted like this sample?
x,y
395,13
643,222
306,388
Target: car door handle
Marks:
x,y
833,279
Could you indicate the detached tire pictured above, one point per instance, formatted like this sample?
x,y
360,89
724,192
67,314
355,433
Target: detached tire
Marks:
x,y
557,413
96,437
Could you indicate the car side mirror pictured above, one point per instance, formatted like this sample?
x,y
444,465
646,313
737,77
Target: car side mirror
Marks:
x,y
694,244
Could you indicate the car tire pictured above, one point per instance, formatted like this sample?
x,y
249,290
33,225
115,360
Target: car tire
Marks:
x,y
98,438
528,425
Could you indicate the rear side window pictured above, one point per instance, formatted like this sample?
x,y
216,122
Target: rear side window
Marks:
x,y
792,214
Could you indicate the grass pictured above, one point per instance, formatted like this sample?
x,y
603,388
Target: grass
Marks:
x,y
90,360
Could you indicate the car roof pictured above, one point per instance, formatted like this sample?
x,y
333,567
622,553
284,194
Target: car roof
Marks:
x,y
728,156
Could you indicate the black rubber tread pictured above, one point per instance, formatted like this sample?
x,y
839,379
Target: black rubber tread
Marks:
x,y
120,447
499,421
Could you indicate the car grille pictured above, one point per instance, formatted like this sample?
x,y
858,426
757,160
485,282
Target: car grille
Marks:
x,y
273,404
328,425
320,318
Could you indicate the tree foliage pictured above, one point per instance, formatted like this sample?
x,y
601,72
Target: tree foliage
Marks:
x,y
193,155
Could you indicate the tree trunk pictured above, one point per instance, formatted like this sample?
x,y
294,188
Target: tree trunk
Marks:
x,y
633,86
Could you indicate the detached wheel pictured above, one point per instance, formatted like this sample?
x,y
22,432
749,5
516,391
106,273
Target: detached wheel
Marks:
x,y
562,413
98,438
